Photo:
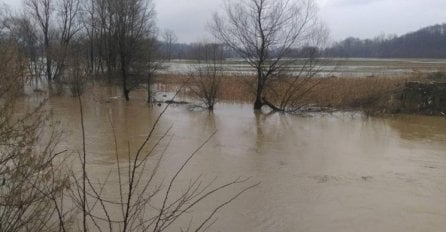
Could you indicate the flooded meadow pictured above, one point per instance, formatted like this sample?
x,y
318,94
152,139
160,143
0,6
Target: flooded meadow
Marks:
x,y
329,67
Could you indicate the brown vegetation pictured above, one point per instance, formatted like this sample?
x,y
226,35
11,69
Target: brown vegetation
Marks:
x,y
354,93
370,94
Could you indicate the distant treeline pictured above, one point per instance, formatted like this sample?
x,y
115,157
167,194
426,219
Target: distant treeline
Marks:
x,y
191,51
429,42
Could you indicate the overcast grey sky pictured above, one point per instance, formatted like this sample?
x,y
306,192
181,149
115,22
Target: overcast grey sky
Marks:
x,y
359,18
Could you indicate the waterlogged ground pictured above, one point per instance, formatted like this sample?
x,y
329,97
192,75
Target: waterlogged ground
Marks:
x,y
354,67
327,172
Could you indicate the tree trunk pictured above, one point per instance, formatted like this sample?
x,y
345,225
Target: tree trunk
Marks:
x,y
47,57
126,94
258,103
124,80
149,92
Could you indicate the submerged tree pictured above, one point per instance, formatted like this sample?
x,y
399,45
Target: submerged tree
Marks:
x,y
135,24
22,29
42,12
122,43
265,32
207,73
58,22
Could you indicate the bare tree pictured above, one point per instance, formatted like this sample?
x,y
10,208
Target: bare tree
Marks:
x,y
264,32
58,23
89,22
78,72
68,12
4,9
122,39
169,39
42,12
135,22
99,21
207,73
151,63
23,31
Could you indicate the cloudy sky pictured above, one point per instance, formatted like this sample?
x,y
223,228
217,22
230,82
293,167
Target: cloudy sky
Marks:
x,y
359,18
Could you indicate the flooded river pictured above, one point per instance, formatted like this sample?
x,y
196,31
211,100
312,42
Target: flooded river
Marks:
x,y
324,172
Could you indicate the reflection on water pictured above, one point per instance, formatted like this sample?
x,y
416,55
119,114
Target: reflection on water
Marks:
x,y
430,129
337,172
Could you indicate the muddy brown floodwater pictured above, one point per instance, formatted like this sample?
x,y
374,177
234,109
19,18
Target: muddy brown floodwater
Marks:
x,y
327,172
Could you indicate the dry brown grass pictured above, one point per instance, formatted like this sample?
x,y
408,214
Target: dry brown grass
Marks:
x,y
232,88
354,92
340,93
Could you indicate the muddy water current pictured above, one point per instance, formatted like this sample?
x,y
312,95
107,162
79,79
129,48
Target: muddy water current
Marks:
x,y
322,172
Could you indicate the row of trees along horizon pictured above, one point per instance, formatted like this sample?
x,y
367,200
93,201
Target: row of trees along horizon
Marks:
x,y
426,42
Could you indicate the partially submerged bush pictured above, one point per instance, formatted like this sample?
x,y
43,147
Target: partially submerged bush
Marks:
x,y
207,73
420,97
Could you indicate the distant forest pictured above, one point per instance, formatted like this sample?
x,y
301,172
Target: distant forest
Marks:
x,y
429,42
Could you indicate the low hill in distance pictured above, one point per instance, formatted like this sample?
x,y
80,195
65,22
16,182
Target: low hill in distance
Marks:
x,y
428,42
